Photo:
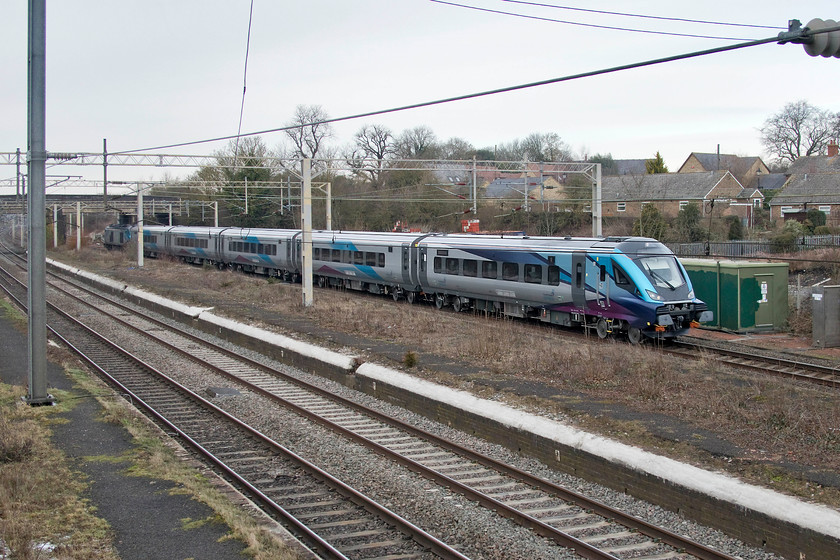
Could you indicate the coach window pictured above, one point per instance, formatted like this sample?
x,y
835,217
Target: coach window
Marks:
x,y
370,259
358,257
470,268
345,257
510,271
533,273
489,269
554,275
381,260
438,265
452,266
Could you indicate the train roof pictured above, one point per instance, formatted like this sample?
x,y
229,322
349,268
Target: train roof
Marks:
x,y
628,245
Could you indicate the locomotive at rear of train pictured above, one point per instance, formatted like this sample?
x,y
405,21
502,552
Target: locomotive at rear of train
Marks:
x,y
629,285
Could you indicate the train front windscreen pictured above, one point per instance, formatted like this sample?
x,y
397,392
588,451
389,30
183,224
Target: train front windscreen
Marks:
x,y
666,276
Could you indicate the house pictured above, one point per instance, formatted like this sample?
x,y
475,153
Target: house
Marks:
x,y
514,187
813,183
717,192
748,170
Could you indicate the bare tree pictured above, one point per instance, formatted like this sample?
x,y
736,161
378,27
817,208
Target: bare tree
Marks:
x,y
549,146
457,148
311,131
799,129
372,146
417,143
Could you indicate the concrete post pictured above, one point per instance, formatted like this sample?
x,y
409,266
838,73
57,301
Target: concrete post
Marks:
x,y
306,231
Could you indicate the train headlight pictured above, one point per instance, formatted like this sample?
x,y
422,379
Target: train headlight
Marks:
x,y
653,295
691,294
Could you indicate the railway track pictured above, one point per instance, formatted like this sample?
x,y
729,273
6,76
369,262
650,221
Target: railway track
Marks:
x,y
591,529
754,359
330,516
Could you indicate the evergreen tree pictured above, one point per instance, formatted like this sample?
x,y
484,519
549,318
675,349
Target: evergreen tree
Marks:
x,y
656,165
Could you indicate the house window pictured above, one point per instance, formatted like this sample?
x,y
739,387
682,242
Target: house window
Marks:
x,y
683,204
825,209
757,202
621,206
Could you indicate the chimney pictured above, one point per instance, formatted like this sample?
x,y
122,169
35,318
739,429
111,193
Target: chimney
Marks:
x,y
833,148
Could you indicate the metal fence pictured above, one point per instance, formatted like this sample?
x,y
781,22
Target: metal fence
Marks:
x,y
742,249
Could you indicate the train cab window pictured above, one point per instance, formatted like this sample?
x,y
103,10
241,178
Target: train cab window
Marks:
x,y
579,275
603,270
470,268
336,255
510,271
452,266
553,275
621,279
490,269
438,265
533,274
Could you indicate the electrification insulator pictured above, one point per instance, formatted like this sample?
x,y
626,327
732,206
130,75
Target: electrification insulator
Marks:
x,y
823,44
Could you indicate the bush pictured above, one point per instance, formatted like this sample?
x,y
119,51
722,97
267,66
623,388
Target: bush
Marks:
x,y
784,242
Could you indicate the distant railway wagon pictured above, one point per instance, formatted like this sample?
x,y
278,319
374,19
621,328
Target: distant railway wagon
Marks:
x,y
629,285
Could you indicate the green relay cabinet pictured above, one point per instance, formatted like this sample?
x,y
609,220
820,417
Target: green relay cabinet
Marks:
x,y
744,296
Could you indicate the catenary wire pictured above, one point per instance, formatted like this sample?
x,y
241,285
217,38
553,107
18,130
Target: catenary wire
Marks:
x,y
244,83
485,93
581,24
642,16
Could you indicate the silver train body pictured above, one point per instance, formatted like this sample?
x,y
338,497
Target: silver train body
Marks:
x,y
630,285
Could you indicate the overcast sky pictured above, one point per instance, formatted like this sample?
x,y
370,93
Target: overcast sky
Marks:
x,y
147,73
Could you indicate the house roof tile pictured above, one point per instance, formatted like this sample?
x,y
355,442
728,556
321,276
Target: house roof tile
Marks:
x,y
660,186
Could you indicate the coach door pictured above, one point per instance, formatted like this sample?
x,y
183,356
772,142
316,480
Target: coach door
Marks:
x,y
408,266
579,279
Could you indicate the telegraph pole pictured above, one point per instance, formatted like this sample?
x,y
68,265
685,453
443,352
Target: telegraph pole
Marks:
x,y
36,163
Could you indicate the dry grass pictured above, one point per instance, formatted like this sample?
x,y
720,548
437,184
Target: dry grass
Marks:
x,y
771,419
42,513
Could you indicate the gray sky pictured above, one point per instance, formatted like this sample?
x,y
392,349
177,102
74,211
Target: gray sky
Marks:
x,y
153,72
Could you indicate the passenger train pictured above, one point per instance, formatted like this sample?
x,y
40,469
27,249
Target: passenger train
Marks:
x,y
629,285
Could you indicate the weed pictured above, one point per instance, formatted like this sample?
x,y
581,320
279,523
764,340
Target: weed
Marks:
x,y
410,359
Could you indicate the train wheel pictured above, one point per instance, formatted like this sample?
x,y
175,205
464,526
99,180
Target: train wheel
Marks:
x,y
411,297
602,328
457,304
634,335
397,293
440,301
